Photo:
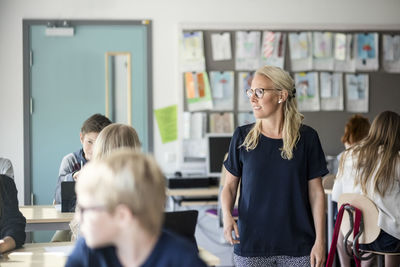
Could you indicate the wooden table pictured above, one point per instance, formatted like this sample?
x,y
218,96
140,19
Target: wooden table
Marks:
x,y
193,196
54,255
45,217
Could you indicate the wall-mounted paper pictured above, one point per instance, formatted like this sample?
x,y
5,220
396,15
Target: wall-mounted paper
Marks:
x,y
244,83
198,93
307,91
192,52
221,46
300,45
331,91
273,49
247,50
221,122
391,53
367,51
167,123
245,118
222,89
357,92
344,52
323,50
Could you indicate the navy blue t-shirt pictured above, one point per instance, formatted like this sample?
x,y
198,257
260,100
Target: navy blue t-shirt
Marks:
x,y
275,215
170,251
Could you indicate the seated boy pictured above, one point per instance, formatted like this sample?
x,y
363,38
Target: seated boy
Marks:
x,y
73,162
120,207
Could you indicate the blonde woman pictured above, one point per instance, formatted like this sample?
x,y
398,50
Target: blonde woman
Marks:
x,y
120,208
279,163
372,168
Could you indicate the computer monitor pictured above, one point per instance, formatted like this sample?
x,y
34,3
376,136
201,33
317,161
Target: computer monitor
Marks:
x,y
217,147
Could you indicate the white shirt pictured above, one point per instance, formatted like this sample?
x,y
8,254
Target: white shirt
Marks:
x,y
388,206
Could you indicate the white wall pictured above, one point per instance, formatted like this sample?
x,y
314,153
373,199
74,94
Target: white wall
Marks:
x,y
166,17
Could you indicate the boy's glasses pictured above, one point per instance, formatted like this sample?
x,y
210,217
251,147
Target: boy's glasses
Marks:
x,y
81,210
259,92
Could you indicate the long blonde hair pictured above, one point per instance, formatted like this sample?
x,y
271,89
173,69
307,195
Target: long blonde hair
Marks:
x,y
292,120
378,154
115,136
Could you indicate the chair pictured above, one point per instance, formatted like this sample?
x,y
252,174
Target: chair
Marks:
x,y
369,229
182,223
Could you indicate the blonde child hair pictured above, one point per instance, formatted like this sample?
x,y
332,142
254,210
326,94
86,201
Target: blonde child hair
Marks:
x,y
115,136
129,178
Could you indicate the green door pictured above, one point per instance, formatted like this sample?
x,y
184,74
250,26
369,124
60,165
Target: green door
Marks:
x,y
67,85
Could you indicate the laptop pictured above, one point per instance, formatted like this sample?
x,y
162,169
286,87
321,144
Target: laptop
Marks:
x,y
68,196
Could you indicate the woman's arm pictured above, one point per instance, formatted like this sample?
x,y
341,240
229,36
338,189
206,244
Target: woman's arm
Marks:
x,y
228,196
316,196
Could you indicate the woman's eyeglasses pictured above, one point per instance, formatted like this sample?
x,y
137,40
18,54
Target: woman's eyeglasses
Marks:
x,y
259,92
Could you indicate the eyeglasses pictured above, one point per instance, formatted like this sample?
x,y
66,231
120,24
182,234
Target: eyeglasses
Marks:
x,y
81,210
259,92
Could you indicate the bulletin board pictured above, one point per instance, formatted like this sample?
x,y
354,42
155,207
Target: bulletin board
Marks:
x,y
384,87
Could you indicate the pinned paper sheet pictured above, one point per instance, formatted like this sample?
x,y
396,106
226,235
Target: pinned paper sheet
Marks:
x,y
167,123
357,92
221,46
307,86
192,52
222,89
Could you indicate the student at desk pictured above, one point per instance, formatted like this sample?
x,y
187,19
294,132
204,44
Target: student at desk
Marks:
x,y
73,162
12,223
120,206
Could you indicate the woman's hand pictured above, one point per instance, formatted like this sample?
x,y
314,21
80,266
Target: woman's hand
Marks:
x,y
317,256
229,226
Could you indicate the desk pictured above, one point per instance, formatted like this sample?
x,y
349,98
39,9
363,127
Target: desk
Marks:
x,y
45,217
36,255
183,196
39,255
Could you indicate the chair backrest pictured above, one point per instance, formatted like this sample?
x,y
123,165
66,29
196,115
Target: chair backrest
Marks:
x,y
328,181
182,223
369,215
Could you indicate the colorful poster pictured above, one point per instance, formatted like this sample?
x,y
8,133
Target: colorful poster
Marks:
x,y
221,46
357,92
192,52
221,122
222,86
391,53
307,88
244,83
367,51
273,49
301,51
245,118
344,53
323,50
198,93
247,50
167,123
331,91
